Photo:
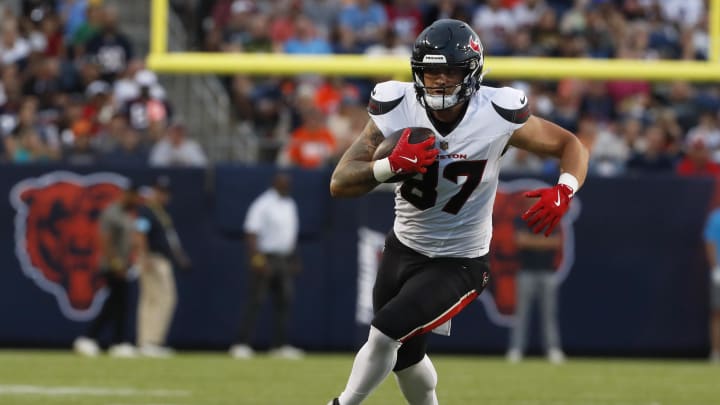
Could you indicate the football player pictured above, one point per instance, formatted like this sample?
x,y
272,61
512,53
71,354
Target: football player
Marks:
x,y
435,260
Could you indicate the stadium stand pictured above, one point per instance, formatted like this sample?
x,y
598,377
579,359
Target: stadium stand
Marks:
x,y
67,64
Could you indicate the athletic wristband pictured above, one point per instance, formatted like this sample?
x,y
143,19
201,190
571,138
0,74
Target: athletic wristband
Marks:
x,y
570,181
382,170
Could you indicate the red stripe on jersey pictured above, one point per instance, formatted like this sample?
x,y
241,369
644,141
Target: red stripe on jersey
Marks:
x,y
446,316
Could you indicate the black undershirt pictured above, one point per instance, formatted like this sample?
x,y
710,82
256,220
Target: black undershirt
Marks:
x,y
446,127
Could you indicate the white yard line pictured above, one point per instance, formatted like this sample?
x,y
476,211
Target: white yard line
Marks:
x,y
141,404
89,391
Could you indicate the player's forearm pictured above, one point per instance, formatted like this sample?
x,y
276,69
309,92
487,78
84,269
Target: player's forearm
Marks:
x,y
352,179
574,160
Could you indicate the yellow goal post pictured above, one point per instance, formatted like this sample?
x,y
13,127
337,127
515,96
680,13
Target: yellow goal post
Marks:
x,y
162,61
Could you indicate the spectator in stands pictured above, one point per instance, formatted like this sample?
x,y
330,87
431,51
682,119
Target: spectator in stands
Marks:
x,y
389,45
14,49
438,10
147,109
258,35
528,12
521,161
708,129
44,83
493,22
712,250
100,107
175,149
361,24
405,19
323,14
311,145
29,140
73,13
306,39
697,160
82,151
86,30
608,152
235,34
535,284
654,158
116,227
25,146
129,151
349,119
158,246
271,232
110,47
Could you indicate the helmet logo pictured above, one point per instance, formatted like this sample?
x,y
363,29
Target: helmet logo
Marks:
x,y
474,44
434,59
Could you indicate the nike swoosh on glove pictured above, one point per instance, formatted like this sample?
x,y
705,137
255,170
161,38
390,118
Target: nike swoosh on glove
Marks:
x,y
409,157
549,209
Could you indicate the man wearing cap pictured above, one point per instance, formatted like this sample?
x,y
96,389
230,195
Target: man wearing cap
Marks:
x,y
158,244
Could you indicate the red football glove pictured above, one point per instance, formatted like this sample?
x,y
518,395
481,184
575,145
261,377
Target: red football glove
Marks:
x,y
412,157
549,209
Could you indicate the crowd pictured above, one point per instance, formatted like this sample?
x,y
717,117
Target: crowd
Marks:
x,y
629,126
73,90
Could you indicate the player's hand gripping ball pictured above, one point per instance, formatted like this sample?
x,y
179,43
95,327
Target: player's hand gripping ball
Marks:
x,y
409,150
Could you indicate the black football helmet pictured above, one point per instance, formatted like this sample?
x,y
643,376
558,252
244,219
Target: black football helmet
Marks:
x,y
447,43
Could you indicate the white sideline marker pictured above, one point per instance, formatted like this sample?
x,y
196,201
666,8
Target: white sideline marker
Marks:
x,y
89,391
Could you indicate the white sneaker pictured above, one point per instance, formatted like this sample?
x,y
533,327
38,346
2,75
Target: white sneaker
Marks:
x,y
86,347
241,352
160,352
287,352
123,350
556,356
715,357
514,356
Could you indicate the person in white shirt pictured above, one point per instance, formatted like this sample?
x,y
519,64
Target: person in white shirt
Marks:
x,y
271,232
175,149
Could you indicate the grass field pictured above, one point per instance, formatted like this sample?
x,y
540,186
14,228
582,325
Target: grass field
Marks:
x,y
54,377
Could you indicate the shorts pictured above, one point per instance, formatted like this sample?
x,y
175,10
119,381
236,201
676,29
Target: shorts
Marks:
x,y
413,294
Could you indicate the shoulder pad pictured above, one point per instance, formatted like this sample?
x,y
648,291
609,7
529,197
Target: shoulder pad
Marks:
x,y
385,97
511,104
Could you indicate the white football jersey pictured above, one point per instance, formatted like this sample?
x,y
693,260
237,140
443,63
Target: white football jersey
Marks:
x,y
448,210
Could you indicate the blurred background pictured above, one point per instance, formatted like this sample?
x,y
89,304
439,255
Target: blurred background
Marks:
x,y
79,108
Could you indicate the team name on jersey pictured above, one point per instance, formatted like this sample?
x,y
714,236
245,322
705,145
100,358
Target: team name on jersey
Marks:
x,y
452,156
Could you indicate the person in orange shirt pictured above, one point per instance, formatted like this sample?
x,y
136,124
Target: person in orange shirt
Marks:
x,y
312,145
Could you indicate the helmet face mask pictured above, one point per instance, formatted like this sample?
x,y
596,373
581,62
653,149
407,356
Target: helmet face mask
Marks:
x,y
444,47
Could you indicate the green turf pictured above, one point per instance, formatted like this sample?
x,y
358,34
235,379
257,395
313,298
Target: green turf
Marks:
x,y
215,379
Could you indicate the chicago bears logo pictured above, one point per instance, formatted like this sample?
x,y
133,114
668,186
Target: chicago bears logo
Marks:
x,y
510,203
56,235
